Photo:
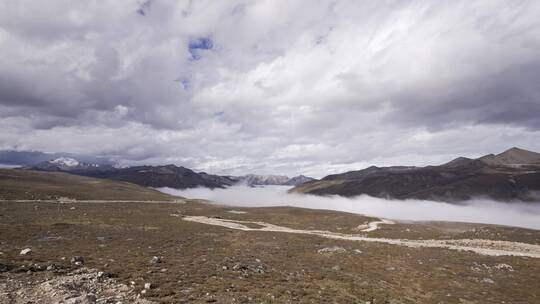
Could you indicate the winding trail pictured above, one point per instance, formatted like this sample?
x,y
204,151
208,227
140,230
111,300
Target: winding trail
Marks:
x,y
479,246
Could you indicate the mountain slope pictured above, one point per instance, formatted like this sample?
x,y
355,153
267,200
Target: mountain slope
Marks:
x,y
160,176
149,176
29,184
496,177
513,156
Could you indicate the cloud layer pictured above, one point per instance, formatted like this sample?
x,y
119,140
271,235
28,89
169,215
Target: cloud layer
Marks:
x,y
475,211
263,87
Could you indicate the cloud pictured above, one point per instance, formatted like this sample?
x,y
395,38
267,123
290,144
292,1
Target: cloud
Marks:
x,y
256,86
474,211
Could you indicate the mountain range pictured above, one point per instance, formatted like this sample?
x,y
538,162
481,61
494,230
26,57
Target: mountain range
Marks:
x,y
511,175
172,176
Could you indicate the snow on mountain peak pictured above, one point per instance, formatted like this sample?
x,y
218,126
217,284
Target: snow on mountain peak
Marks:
x,y
65,161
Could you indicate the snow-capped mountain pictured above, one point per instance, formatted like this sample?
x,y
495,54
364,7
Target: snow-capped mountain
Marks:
x,y
254,179
65,162
258,180
68,164
299,180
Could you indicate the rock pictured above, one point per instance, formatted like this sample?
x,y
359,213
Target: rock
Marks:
x,y
335,249
503,266
50,267
82,299
336,268
155,260
147,286
26,251
488,280
77,260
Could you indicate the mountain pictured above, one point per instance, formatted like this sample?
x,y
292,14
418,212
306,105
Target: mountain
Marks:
x,y
511,175
162,176
29,158
68,164
298,180
148,176
281,180
513,156
256,180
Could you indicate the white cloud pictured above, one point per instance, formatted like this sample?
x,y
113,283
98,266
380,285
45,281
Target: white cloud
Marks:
x,y
475,211
298,88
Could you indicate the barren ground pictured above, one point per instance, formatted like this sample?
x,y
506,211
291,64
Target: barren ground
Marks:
x,y
207,263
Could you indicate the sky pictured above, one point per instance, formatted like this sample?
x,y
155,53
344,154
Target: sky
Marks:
x,y
270,87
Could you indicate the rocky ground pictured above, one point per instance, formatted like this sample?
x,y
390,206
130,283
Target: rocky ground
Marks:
x,y
135,252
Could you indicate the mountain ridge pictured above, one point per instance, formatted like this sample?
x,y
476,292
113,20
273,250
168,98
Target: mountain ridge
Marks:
x,y
511,175
169,175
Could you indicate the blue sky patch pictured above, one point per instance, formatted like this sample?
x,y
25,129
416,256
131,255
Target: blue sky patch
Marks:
x,y
195,45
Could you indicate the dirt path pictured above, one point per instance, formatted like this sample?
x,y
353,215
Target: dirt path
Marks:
x,y
372,226
484,247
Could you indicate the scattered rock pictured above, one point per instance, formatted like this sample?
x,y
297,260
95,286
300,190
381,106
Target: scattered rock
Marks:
x,y
26,251
488,280
155,260
335,249
77,260
148,286
337,268
503,266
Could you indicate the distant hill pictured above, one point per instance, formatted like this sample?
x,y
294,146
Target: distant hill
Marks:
x,y
511,175
162,176
28,184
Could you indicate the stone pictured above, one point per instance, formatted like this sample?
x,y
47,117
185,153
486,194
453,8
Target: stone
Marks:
x,y
26,251
77,260
147,286
155,260
335,249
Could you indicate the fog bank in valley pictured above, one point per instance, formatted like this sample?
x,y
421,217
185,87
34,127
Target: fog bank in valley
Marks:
x,y
476,211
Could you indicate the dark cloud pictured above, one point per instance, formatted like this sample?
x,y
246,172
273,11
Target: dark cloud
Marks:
x,y
257,86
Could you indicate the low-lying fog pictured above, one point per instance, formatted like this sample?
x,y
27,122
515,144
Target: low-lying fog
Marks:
x,y
476,211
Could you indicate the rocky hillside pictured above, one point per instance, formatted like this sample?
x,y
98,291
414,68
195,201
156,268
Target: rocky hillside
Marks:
x,y
511,175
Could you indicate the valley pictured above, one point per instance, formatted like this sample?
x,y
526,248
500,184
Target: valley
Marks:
x,y
208,252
